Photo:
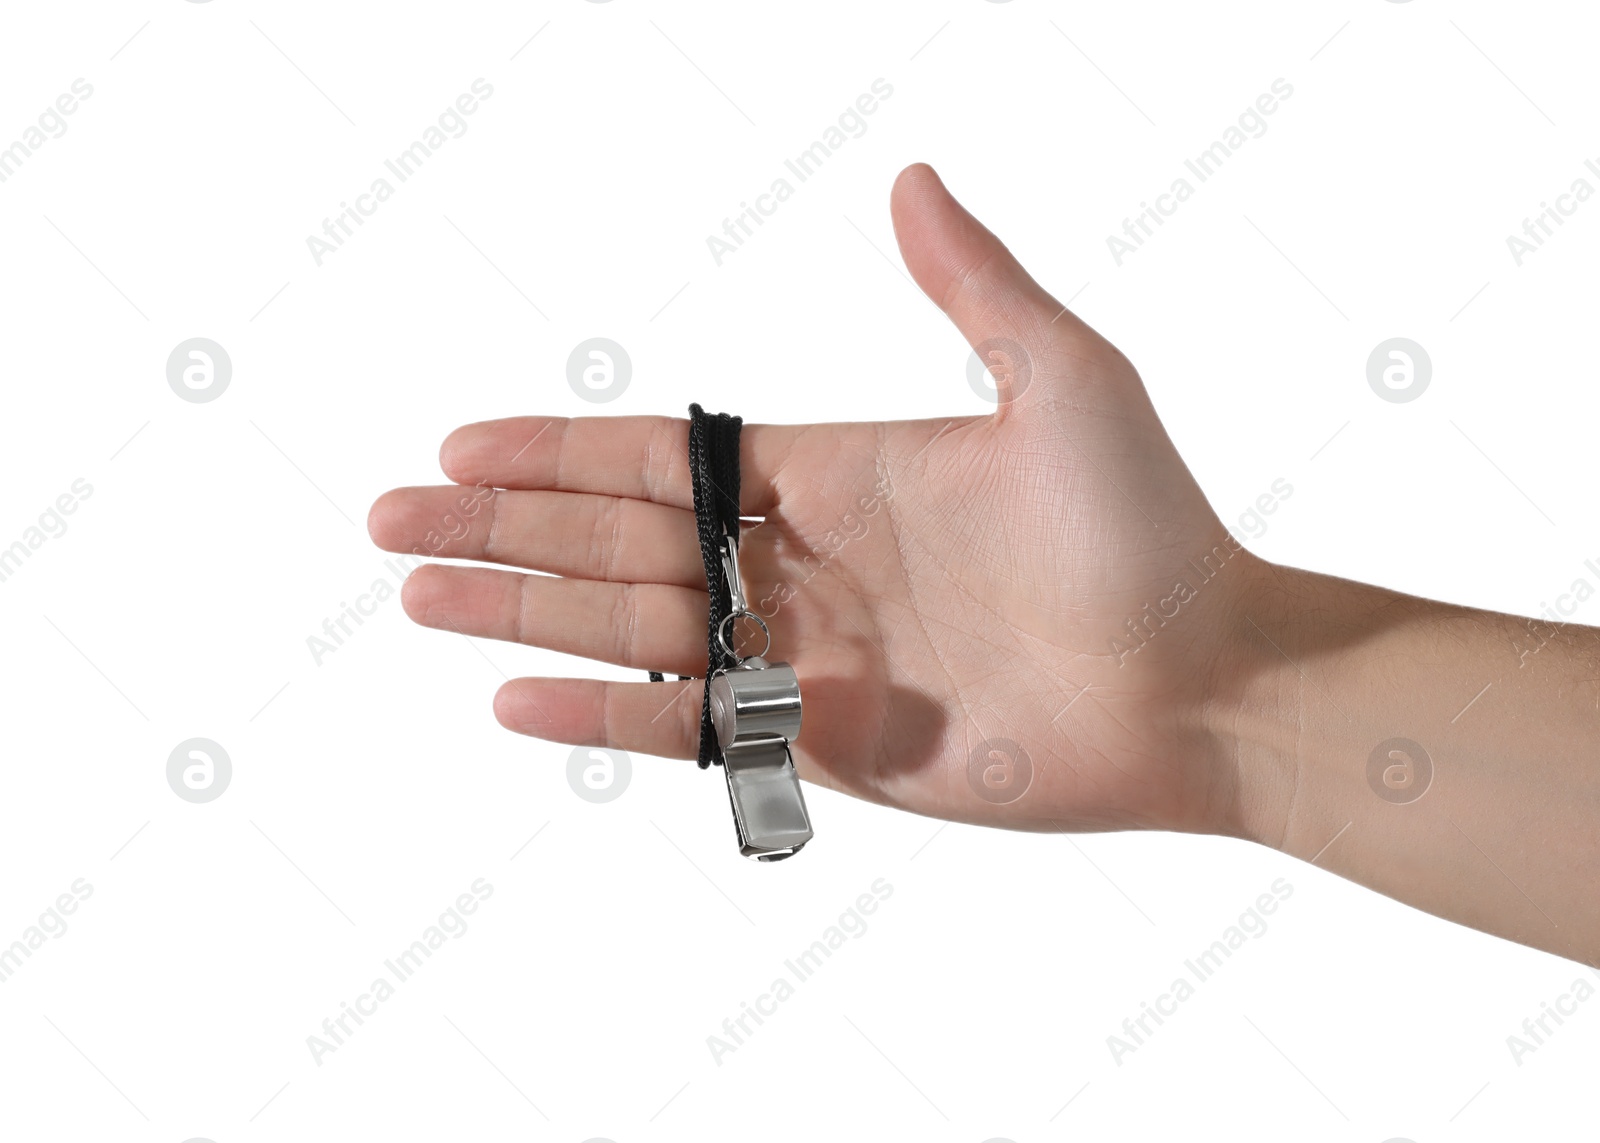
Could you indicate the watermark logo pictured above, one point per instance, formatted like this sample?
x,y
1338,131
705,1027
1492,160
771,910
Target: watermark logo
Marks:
x,y
999,370
1539,229
597,775
823,550
453,525
199,770
52,124
50,525
50,925
199,370
999,771
851,925
599,370
451,123
851,124
451,925
1252,924
1536,1030
1399,370
1150,217
1399,771
1142,627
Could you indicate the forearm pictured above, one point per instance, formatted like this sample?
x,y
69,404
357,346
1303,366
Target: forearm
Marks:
x,y
1447,757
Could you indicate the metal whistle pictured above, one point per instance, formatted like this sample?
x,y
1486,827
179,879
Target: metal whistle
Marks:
x,y
755,710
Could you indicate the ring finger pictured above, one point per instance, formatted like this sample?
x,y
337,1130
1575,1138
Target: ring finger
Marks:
x,y
650,626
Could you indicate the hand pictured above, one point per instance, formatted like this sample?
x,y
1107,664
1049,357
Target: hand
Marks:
x,y
1049,575
937,585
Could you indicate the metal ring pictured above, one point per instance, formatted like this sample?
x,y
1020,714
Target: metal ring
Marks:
x,y
732,615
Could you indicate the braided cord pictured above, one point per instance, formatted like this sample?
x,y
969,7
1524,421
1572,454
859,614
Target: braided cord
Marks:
x,y
714,474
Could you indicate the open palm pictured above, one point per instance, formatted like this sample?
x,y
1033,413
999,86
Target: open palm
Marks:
x,y
955,595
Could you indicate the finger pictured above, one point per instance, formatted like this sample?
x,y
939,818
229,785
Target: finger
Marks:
x,y
651,626
565,533
969,272
958,263
650,718
644,458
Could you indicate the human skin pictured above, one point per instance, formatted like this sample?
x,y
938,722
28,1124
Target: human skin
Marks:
x,y
983,589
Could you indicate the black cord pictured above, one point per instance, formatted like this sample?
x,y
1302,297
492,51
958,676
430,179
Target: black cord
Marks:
x,y
714,473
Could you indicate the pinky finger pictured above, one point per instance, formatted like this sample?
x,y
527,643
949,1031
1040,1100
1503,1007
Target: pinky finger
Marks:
x,y
648,718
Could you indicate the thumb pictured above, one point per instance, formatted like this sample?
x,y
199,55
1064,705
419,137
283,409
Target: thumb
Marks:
x,y
981,287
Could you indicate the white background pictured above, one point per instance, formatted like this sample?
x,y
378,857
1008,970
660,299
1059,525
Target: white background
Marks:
x,y
371,789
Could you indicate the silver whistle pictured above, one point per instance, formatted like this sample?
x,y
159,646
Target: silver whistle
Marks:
x,y
755,710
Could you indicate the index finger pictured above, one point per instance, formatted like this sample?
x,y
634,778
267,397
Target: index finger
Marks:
x,y
643,458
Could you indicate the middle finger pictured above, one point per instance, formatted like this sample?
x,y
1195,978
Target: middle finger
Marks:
x,y
564,533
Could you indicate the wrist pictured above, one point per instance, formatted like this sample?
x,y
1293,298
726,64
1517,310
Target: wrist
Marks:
x,y
1413,746
1316,673
1260,723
